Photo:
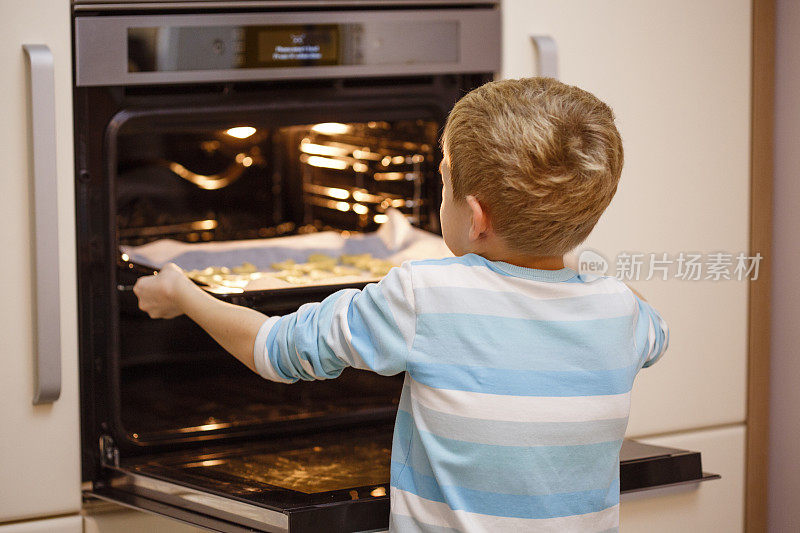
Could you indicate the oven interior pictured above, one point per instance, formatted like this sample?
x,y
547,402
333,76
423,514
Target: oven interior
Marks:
x,y
236,181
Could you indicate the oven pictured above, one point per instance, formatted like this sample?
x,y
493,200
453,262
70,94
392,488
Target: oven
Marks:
x,y
278,151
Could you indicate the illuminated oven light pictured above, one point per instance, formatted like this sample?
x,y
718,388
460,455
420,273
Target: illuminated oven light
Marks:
x,y
333,192
360,167
380,491
331,128
204,427
247,161
360,209
212,462
388,176
241,132
342,206
381,219
398,159
204,224
325,162
365,153
321,149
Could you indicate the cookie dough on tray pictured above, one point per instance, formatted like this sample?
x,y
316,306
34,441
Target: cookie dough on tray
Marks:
x,y
318,269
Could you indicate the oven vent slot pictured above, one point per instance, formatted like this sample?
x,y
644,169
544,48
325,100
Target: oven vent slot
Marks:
x,y
388,81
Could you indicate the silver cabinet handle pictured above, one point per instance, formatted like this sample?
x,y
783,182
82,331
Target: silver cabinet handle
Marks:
x,y
45,195
546,51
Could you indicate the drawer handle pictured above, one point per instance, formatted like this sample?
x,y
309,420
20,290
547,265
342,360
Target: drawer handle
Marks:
x,y
47,386
546,50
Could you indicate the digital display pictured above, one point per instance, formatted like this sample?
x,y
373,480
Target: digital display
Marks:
x,y
293,45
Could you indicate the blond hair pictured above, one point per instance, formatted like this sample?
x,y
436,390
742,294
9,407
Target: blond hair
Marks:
x,y
543,158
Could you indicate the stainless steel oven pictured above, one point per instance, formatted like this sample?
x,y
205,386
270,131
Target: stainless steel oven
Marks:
x,y
248,139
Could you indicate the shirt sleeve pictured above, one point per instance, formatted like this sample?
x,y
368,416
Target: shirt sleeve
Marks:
x,y
370,329
651,333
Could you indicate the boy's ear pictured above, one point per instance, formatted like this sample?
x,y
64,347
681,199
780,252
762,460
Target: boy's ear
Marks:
x,y
481,226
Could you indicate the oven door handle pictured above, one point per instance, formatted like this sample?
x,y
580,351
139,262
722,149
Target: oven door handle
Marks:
x,y
546,50
45,195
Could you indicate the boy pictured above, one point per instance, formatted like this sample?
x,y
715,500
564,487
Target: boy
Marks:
x,y
518,369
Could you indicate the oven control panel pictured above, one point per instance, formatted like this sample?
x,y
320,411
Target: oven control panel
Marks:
x,y
150,49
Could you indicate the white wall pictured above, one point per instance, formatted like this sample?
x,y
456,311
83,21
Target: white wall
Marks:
x,y
784,467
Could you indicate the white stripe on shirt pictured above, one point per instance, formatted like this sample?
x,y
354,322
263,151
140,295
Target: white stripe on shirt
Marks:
x,y
260,359
525,408
458,275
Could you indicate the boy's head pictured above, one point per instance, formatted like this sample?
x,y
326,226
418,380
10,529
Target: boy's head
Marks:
x,y
539,158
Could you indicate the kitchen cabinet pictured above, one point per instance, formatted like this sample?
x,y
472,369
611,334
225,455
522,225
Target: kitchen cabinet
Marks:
x,y
104,517
677,75
39,444
709,506
64,524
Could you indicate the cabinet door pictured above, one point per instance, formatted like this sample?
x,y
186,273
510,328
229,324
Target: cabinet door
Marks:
x,y
677,75
716,505
39,444
103,517
65,524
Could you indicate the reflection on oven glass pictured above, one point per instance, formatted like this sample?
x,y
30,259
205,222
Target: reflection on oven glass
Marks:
x,y
311,470
253,180
202,396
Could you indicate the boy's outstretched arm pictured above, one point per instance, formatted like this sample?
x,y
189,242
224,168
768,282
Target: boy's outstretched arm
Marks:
x,y
171,293
371,329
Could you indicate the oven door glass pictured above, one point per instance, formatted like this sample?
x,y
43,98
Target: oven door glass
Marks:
x,y
339,479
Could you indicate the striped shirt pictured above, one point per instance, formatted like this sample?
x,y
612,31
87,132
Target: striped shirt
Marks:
x,y
517,387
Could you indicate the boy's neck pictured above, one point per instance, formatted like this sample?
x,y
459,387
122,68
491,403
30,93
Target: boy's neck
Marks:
x,y
542,262
494,248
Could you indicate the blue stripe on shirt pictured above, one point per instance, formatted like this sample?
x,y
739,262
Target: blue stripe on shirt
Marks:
x,y
597,344
500,504
513,382
492,468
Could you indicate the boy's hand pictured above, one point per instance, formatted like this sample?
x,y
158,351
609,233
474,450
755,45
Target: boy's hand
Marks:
x,y
171,293
159,294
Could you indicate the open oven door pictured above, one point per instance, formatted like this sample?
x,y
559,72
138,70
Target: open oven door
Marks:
x,y
337,478
281,487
